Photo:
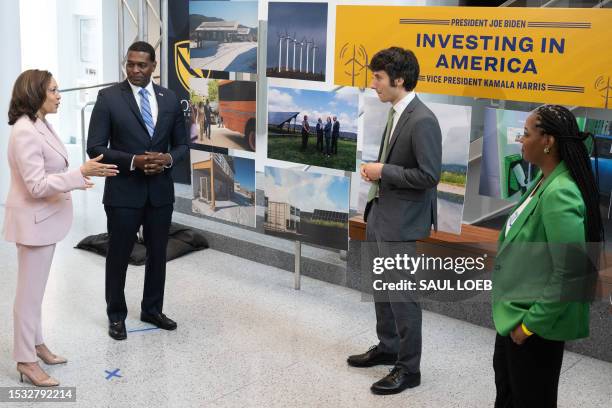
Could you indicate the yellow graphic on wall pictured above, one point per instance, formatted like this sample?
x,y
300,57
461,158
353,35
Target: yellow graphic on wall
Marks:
x,y
184,72
524,54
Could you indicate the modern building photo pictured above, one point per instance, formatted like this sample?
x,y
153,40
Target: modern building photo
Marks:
x,y
223,187
223,35
307,207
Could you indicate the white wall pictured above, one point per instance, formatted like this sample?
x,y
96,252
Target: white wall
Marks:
x,y
72,70
50,39
38,30
9,70
110,41
39,38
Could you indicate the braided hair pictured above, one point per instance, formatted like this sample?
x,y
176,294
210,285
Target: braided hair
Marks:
x,y
558,121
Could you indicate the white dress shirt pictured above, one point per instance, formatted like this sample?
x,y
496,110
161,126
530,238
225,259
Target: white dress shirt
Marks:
x,y
399,109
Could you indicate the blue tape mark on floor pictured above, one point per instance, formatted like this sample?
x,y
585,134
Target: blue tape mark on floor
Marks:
x,y
141,330
112,374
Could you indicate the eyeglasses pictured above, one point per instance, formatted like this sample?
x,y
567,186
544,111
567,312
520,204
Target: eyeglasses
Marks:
x,y
54,91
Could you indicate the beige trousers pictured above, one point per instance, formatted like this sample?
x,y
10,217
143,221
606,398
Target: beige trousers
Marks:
x,y
34,265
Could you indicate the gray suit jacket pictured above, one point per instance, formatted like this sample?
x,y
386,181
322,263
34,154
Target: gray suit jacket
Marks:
x,y
407,202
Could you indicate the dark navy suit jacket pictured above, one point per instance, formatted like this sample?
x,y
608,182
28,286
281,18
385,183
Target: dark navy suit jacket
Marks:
x,y
117,130
336,129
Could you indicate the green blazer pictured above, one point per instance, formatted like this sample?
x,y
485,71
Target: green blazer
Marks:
x,y
538,260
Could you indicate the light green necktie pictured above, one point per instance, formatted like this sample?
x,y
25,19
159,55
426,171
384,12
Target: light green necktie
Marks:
x,y
373,192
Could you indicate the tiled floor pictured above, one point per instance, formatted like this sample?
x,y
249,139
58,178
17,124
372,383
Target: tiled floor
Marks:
x,y
246,338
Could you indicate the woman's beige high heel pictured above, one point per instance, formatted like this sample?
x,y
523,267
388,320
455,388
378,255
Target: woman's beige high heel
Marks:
x,y
47,382
48,357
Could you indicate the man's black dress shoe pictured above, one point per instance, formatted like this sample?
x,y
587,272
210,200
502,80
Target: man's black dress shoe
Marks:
x,y
117,330
397,381
160,320
371,358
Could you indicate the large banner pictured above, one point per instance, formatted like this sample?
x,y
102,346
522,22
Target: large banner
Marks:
x,y
524,54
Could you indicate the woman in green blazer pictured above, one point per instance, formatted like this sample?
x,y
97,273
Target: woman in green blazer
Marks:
x,y
542,275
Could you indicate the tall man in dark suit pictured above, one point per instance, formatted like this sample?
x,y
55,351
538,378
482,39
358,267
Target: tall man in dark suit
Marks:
x,y
401,208
138,126
208,119
335,135
305,132
319,131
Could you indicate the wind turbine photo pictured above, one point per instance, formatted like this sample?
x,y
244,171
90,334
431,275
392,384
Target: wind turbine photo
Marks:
x,y
297,41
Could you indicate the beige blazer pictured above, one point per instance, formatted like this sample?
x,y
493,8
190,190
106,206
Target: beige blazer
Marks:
x,y
38,207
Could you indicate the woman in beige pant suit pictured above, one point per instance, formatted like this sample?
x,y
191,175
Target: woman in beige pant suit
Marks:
x,y
38,210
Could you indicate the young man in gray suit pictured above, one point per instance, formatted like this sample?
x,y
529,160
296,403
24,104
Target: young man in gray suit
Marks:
x,y
401,208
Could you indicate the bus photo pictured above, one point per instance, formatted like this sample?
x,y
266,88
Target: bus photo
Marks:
x,y
237,108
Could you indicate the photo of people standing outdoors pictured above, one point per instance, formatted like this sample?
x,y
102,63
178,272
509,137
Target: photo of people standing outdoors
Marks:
x,y
318,128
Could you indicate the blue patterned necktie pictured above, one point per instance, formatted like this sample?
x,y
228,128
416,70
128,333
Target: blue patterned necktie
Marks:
x,y
145,110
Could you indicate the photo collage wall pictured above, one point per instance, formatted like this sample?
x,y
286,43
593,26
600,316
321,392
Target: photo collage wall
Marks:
x,y
317,134
310,124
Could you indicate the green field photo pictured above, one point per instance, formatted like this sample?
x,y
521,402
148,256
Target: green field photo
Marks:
x,y
287,147
293,112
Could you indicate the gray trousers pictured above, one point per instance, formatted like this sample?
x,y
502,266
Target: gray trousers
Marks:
x,y
398,314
